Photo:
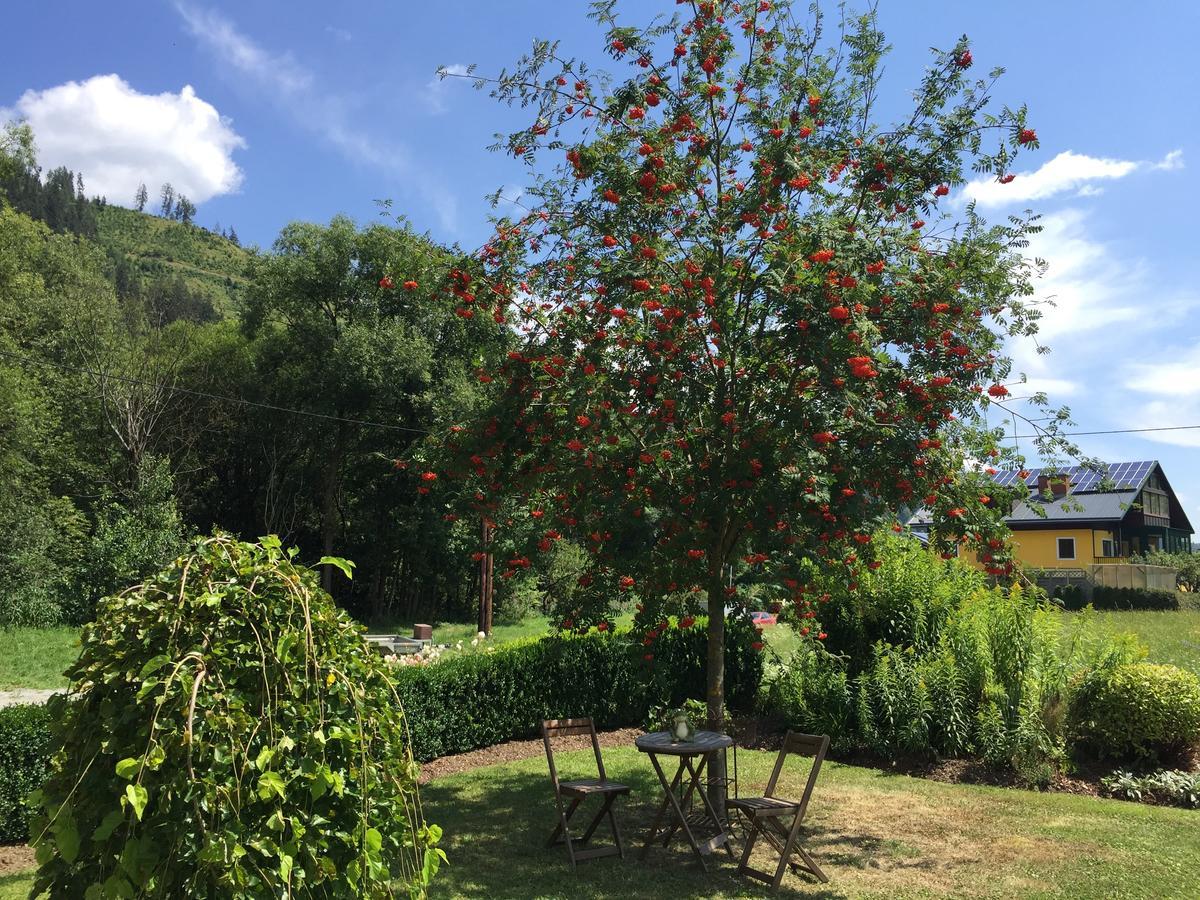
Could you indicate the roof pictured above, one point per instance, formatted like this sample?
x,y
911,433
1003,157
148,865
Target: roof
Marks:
x,y
1095,495
1130,476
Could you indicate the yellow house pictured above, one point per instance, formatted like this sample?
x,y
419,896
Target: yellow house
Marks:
x,y
1077,516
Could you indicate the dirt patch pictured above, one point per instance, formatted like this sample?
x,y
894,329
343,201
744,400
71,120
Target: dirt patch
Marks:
x,y
24,695
511,751
15,859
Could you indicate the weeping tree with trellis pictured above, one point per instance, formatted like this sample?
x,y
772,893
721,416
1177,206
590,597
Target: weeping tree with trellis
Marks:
x,y
753,327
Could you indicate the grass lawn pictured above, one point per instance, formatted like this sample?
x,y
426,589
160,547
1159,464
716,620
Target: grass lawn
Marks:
x,y
1171,636
876,835
36,657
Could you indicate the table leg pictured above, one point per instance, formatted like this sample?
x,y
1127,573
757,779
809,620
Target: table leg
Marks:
x,y
674,801
668,792
694,780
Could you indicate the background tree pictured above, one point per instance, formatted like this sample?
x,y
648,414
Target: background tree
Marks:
x,y
185,210
140,198
750,330
166,201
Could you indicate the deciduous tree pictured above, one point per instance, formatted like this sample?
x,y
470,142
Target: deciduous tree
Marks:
x,y
756,323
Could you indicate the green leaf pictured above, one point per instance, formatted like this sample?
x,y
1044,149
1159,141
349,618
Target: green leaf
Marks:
x,y
137,797
271,783
264,758
285,867
128,768
343,564
373,842
107,825
67,837
153,665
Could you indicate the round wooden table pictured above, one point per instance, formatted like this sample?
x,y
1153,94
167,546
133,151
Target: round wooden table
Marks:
x,y
680,789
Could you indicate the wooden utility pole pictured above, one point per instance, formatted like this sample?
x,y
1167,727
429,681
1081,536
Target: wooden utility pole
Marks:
x,y
485,580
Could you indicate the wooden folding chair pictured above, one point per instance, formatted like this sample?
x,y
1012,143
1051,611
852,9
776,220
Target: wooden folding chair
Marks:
x,y
579,790
768,814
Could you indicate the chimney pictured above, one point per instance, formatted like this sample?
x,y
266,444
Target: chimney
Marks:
x,y
1043,483
1059,485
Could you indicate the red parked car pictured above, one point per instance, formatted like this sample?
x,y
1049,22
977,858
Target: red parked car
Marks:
x,y
762,618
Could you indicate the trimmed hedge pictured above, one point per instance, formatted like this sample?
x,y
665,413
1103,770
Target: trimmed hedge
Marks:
x,y
1141,710
24,755
467,702
1132,598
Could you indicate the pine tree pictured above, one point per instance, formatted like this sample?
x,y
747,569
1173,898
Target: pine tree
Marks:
x,y
79,186
140,198
167,201
233,238
185,210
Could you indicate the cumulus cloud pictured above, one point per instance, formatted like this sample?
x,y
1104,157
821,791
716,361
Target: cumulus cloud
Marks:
x,y
1064,173
119,138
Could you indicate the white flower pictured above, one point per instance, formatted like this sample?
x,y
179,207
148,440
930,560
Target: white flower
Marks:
x,y
481,636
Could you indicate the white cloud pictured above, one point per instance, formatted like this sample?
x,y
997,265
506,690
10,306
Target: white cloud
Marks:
x,y
119,138
340,33
1098,295
281,71
435,90
1172,162
1068,171
300,94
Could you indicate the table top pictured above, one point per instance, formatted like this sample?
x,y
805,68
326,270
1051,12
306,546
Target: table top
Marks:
x,y
702,742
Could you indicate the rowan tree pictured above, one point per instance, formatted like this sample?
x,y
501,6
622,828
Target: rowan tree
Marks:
x,y
756,322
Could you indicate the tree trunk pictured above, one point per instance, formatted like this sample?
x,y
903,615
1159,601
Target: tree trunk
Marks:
x,y
715,675
329,507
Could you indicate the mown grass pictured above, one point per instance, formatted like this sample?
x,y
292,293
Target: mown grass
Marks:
x,y
36,657
875,834
1170,636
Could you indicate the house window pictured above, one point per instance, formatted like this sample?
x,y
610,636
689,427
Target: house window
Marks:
x,y
1109,548
1066,548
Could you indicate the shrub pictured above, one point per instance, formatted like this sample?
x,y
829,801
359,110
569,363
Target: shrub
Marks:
x,y
990,678
472,701
228,733
24,752
1140,710
1070,595
1167,787
1132,598
904,603
812,694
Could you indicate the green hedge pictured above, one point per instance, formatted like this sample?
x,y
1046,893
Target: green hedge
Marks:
x,y
1138,711
24,753
1132,598
467,702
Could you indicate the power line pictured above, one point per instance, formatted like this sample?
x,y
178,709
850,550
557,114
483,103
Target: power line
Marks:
x,y
316,415
182,390
1115,431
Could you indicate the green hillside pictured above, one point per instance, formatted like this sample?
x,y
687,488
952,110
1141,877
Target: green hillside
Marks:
x,y
158,248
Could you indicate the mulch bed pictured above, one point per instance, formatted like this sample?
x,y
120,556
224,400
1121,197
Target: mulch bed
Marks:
x,y
761,735
14,859
510,751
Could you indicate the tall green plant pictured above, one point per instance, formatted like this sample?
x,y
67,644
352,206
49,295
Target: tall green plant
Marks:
x,y
228,733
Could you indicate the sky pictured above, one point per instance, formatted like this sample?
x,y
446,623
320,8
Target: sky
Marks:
x,y
264,113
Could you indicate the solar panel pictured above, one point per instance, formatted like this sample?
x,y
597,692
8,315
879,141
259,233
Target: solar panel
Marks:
x,y
1124,476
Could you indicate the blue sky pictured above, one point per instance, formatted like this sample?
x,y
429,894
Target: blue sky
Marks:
x,y
267,112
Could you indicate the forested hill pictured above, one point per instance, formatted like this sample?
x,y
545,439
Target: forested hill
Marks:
x,y
156,250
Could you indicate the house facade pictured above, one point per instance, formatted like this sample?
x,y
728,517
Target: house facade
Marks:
x,y
1077,516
